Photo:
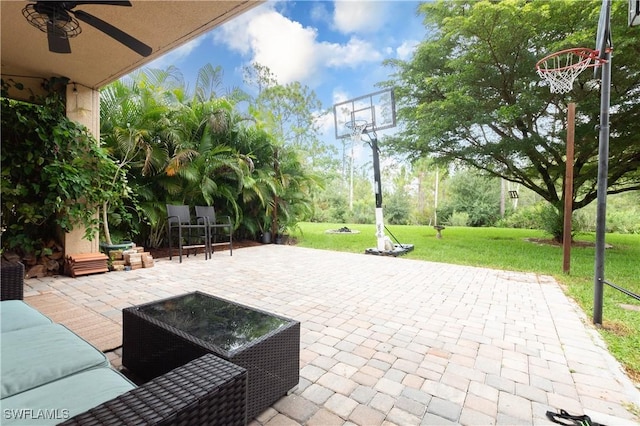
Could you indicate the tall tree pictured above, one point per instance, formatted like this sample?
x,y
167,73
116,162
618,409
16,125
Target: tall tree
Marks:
x,y
470,93
291,113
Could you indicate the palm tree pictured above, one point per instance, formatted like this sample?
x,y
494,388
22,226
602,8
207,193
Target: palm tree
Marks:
x,y
195,147
129,117
292,201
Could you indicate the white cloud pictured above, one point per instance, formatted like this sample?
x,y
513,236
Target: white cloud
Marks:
x,y
352,54
319,12
234,33
326,124
286,47
292,52
358,16
406,49
339,96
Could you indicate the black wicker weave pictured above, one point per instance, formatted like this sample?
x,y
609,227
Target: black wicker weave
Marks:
x,y
152,347
206,391
11,280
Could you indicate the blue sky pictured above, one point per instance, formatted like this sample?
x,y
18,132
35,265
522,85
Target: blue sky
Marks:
x,y
334,48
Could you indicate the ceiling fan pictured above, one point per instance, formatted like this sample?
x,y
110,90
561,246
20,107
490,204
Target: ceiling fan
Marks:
x,y
58,20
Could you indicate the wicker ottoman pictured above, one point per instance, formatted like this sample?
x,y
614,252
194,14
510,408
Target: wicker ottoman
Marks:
x,y
160,336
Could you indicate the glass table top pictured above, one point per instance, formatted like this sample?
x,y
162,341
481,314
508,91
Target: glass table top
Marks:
x,y
223,324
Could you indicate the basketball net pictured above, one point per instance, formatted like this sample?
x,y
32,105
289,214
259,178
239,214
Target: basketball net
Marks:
x,y
356,127
560,69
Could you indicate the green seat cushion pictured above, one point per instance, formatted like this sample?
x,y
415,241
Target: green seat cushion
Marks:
x,y
16,314
34,356
57,401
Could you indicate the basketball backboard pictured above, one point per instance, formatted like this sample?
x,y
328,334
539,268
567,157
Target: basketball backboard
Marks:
x,y
603,36
634,13
377,110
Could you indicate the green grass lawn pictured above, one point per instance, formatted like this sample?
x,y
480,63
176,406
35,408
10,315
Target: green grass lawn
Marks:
x,y
512,249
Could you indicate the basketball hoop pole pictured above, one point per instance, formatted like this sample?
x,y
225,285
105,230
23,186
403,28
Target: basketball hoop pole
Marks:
x,y
603,171
380,237
359,128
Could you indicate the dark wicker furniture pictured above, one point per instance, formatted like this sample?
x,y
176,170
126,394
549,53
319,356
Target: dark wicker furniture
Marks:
x,y
206,391
165,334
11,280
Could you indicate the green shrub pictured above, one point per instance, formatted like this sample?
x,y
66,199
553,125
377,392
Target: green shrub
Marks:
x,y
551,222
396,209
474,194
458,219
623,222
544,216
363,212
623,214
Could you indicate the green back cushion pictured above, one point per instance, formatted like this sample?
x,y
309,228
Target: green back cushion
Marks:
x,y
38,355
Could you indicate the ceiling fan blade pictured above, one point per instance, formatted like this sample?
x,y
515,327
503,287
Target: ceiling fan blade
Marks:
x,y
57,44
117,34
106,2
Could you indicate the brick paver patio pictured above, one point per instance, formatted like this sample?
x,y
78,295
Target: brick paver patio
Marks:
x,y
396,341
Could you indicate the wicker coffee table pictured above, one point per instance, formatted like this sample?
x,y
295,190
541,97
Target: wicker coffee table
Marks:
x,y
166,334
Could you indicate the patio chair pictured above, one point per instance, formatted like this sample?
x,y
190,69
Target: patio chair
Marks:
x,y
196,234
220,228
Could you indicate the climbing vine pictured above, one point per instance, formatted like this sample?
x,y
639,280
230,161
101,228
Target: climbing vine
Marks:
x,y
54,173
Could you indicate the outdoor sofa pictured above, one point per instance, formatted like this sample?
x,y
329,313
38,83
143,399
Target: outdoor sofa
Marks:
x,y
52,376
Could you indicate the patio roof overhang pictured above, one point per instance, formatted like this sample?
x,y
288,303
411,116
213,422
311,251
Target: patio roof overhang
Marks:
x,y
96,59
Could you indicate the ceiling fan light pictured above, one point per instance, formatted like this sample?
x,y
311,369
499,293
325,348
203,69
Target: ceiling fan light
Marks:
x,y
67,28
63,25
34,18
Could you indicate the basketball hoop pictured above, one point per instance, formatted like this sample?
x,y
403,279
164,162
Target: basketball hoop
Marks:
x,y
560,69
356,127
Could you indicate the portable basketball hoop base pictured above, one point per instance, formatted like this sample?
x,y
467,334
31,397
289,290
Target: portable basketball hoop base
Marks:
x,y
398,250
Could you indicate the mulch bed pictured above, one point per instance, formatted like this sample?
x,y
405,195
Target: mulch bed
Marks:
x,y
162,252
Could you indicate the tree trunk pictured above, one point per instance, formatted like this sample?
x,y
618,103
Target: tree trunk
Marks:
x,y
105,223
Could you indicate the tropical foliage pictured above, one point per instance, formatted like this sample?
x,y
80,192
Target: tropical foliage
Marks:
x,y
198,148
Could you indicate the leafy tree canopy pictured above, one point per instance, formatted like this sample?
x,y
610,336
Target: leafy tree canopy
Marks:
x,y
470,94
291,113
